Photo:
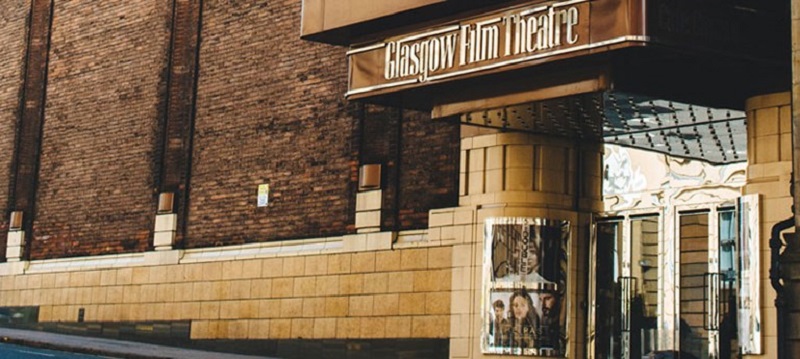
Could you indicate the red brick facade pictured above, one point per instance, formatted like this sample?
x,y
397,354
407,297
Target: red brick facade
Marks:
x,y
126,116
13,37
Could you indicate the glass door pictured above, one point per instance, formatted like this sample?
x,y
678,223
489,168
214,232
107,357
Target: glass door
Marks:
x,y
678,283
626,285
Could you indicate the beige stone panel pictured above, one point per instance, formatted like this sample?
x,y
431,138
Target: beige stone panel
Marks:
x,y
414,259
76,279
400,282
766,148
494,157
229,309
376,282
475,184
459,348
440,257
282,287
238,329
232,270
337,306
363,262
361,305
437,303
327,286
386,304
140,275
324,328
317,265
387,261
519,156
280,328
462,184
241,289
437,326
291,308
48,281
398,327
204,329
114,294
269,308
313,307
124,276
351,284
460,302
219,290
131,294
305,286
259,329
188,310
348,327
165,292
251,268
373,327
433,280
766,121
34,281
184,292
98,294
147,293
212,271
209,310
476,160
272,267
494,181
785,147
193,272
173,274
294,266
411,303
260,288
157,274
519,179
302,328
339,263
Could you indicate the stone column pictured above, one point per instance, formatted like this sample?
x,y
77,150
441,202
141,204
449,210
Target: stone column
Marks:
x,y
769,157
518,175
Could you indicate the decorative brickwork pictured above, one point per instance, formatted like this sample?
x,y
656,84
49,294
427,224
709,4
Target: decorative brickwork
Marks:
x,y
105,92
13,37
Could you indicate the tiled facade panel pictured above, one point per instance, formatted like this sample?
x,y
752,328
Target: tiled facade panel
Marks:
x,y
270,110
12,35
105,84
400,293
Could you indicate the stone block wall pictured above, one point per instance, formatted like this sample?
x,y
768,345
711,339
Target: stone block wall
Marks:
x,y
402,293
769,174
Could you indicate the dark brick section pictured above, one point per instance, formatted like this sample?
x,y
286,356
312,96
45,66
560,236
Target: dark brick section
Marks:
x,y
13,36
428,167
179,127
99,151
270,109
24,174
427,153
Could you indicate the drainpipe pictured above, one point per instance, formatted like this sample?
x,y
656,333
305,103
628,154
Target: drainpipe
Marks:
x,y
775,245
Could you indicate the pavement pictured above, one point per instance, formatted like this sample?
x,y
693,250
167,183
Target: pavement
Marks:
x,y
108,347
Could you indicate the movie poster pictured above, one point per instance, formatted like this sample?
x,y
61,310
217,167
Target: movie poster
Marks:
x,y
525,277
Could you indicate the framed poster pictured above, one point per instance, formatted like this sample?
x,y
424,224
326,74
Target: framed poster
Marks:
x,y
524,286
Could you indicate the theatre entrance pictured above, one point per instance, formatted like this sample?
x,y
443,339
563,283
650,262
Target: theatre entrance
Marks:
x,y
670,281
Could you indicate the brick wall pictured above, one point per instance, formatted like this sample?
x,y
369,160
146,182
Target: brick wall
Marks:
x,y
420,166
104,93
270,109
13,37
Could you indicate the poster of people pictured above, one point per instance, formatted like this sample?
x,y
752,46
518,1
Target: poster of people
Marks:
x,y
525,274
